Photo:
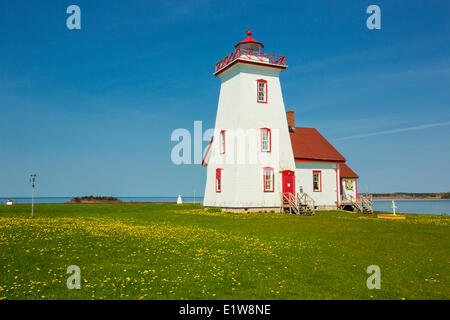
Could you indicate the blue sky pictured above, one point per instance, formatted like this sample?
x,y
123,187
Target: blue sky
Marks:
x,y
91,111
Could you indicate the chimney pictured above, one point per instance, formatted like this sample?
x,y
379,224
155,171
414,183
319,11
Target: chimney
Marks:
x,y
290,115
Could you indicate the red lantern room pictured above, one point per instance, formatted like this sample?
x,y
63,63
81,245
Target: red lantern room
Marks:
x,y
249,51
250,43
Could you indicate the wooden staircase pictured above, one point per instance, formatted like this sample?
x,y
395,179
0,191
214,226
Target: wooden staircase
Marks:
x,y
363,204
301,204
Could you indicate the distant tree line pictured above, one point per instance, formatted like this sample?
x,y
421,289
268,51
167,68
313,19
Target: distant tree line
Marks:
x,y
439,195
94,198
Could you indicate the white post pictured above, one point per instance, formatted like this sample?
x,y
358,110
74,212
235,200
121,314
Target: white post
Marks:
x,y
393,207
179,201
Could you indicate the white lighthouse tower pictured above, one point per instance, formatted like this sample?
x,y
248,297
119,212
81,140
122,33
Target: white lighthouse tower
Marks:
x,y
249,162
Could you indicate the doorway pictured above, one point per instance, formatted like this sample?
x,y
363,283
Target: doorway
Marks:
x,y
288,183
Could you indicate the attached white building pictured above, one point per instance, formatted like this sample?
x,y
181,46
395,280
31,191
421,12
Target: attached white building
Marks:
x,y
257,155
349,184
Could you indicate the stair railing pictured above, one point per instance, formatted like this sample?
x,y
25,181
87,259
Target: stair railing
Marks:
x,y
356,203
288,198
367,202
306,199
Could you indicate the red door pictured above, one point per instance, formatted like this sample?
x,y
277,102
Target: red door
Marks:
x,y
288,181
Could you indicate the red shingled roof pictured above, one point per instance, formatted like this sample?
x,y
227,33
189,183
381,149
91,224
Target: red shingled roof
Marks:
x,y
309,144
346,172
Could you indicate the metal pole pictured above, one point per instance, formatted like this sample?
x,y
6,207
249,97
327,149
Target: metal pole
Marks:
x,y
32,179
32,203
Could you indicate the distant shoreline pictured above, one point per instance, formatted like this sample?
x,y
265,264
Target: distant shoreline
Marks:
x,y
403,198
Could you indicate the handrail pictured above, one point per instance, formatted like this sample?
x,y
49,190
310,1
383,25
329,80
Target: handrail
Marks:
x,y
351,198
260,56
364,203
296,203
289,197
306,199
357,202
367,202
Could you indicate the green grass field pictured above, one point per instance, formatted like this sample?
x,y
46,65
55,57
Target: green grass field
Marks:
x,y
164,251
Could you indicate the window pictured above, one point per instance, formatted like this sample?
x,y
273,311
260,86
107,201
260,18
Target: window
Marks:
x,y
268,179
266,143
222,141
219,180
349,184
317,181
262,91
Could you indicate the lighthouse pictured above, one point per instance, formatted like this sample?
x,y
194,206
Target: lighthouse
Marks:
x,y
258,160
249,161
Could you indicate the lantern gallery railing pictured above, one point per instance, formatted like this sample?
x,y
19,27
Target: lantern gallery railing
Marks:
x,y
251,55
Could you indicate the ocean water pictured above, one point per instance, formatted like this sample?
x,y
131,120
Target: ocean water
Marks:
x,y
414,206
198,200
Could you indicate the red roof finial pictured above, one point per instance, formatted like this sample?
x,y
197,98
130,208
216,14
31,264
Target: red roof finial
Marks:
x,y
249,39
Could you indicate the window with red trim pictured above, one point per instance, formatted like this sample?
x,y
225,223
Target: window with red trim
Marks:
x,y
222,141
317,181
261,94
219,180
268,179
266,140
